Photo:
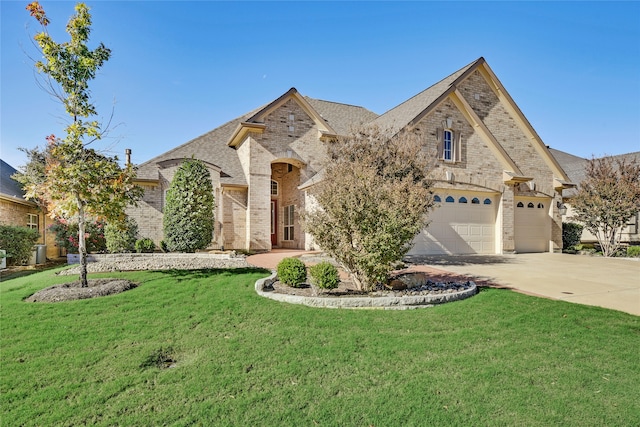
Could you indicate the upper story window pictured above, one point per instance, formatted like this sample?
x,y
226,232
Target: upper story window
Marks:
x,y
448,145
274,188
33,221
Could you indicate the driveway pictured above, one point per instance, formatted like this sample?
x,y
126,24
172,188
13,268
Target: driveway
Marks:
x,y
605,282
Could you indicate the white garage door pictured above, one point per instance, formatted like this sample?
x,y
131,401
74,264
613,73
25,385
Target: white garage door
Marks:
x,y
532,224
463,223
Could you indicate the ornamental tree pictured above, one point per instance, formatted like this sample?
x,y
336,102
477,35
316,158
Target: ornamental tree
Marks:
x,y
188,215
77,181
373,201
607,198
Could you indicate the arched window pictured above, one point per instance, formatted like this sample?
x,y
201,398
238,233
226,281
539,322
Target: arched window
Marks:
x,y
540,206
462,200
450,199
530,205
520,205
475,201
436,199
487,201
274,188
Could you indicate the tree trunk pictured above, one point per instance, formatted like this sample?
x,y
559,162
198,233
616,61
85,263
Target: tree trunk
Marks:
x,y
82,247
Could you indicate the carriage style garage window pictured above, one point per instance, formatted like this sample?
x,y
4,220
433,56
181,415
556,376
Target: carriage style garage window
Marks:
x,y
288,222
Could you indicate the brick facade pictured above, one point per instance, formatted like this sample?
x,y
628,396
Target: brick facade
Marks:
x,y
282,143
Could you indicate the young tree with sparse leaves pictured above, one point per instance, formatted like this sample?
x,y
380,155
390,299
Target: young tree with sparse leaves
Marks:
x,y
188,216
78,181
607,198
374,199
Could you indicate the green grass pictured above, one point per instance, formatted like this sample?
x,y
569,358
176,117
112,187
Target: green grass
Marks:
x,y
499,358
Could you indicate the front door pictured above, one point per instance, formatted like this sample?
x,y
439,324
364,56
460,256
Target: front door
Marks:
x,y
274,223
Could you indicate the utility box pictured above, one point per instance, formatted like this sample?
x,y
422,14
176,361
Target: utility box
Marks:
x,y
3,259
41,254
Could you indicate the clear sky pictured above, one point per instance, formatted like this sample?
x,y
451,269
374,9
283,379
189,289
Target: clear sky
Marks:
x,y
180,69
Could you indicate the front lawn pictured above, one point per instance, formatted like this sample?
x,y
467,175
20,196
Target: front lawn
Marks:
x,y
201,348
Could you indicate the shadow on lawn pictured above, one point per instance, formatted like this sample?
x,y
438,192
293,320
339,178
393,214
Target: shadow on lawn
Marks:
x,y
26,270
209,272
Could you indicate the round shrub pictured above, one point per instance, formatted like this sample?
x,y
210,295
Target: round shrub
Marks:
x,y
292,272
145,245
325,275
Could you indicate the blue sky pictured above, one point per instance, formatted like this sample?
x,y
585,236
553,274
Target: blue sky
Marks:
x,y
180,69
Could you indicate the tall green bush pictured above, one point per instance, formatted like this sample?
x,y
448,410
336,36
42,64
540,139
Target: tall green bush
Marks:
x,y
571,234
188,215
18,242
121,236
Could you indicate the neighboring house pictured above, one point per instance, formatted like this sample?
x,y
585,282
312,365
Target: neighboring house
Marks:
x,y
16,210
576,169
498,188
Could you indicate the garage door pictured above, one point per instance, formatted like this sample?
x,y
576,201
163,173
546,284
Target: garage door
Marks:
x,y
462,223
532,224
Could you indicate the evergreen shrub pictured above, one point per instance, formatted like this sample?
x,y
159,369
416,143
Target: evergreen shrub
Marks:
x,y
121,237
145,245
292,272
325,275
18,242
571,234
633,251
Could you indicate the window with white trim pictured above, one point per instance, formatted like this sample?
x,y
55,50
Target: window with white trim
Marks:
x,y
33,221
274,188
448,145
288,222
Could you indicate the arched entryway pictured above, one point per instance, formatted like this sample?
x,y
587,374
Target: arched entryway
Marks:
x,y
286,204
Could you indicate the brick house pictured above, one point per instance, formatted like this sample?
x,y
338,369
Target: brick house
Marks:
x,y
497,185
576,168
16,210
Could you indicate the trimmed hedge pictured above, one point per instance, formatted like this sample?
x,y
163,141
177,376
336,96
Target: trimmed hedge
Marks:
x,y
121,237
18,242
145,245
571,234
292,272
325,275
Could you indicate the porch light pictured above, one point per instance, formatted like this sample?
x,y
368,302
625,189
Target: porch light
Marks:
x,y
562,208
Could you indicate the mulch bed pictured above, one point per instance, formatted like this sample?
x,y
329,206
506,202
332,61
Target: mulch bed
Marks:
x,y
74,290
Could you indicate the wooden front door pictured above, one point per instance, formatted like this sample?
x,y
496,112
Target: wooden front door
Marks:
x,y
274,223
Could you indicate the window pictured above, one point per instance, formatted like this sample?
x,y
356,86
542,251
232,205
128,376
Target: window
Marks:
x,y
540,206
487,201
289,167
530,205
520,205
274,188
437,199
447,145
288,222
462,200
450,199
475,201
32,221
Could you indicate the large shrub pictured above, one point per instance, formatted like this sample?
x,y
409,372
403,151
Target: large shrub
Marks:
x,y
188,215
18,242
374,200
121,236
325,275
66,235
292,272
571,233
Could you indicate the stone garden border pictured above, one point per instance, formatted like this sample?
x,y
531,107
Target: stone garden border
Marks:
x,y
406,302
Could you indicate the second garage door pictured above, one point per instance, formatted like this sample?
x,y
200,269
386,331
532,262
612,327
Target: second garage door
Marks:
x,y
533,224
462,223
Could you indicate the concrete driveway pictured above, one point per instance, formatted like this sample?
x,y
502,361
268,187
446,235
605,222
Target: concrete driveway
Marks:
x,y
606,282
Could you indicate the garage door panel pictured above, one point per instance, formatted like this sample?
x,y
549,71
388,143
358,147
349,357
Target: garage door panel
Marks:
x,y
532,225
459,228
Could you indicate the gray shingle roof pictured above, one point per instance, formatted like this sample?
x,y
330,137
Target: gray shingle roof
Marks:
x,y
576,167
211,147
400,116
8,186
341,117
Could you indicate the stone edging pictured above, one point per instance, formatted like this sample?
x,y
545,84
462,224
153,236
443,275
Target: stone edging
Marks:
x,y
380,303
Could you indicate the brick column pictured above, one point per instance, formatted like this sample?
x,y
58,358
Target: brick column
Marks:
x,y
508,220
556,223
